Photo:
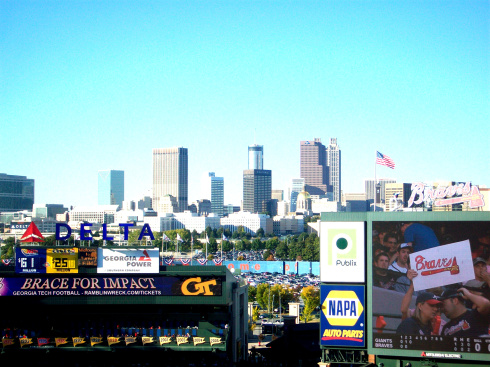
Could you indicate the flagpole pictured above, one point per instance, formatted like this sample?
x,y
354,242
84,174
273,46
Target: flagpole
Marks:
x,y
192,242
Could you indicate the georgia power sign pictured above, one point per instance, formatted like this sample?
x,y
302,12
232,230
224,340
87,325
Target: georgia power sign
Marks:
x,y
342,320
342,252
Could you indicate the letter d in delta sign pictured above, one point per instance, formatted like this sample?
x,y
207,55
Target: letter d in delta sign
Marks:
x,y
342,320
342,252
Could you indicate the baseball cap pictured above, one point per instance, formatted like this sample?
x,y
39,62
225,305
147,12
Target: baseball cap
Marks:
x,y
450,293
475,285
427,297
479,260
405,245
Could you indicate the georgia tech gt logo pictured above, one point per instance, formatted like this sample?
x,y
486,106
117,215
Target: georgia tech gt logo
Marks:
x,y
201,287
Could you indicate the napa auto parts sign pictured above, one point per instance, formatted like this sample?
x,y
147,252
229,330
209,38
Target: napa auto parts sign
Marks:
x,y
447,195
343,317
128,261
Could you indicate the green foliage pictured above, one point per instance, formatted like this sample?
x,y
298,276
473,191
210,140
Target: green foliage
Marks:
x,y
272,243
311,299
8,251
252,293
282,251
257,244
262,296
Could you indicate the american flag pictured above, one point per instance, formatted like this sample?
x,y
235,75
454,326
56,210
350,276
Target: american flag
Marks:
x,y
384,160
202,261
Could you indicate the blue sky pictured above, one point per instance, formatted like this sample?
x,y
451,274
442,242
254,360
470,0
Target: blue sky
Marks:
x,y
91,85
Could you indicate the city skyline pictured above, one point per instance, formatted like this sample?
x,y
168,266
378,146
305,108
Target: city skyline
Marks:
x,y
88,86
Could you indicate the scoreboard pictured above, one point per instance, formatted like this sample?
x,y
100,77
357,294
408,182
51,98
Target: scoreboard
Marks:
x,y
42,260
62,260
30,261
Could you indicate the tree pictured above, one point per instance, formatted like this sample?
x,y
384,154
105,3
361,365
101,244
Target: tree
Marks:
x,y
267,255
311,299
227,245
311,252
260,232
252,293
262,296
8,251
272,243
257,244
282,251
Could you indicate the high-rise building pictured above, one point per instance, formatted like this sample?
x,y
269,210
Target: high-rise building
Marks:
x,y
170,176
256,157
16,193
297,186
277,195
313,167
111,187
334,164
257,187
380,190
213,190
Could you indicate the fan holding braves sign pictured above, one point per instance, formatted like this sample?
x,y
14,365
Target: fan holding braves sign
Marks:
x,y
437,267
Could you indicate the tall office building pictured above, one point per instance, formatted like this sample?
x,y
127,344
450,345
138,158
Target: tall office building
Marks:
x,y
170,176
256,157
111,187
257,188
213,190
313,167
380,190
16,193
334,164
297,186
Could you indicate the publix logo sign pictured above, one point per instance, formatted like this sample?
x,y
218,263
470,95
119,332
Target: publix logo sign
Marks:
x,y
342,249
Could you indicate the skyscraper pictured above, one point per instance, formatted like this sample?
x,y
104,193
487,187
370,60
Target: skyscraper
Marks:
x,y
256,157
111,187
334,164
170,176
16,193
313,167
257,182
257,187
297,186
369,187
213,190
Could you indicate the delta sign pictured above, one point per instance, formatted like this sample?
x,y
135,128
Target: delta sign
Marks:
x,y
342,321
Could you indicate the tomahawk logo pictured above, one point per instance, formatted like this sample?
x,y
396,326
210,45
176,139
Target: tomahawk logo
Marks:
x,y
145,256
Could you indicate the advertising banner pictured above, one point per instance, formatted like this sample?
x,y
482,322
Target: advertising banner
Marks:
x,y
342,322
438,268
144,261
436,303
61,260
87,256
111,286
30,261
342,252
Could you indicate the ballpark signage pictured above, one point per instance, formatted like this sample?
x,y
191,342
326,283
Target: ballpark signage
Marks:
x,y
111,286
30,261
128,261
62,260
342,252
447,195
342,319
440,266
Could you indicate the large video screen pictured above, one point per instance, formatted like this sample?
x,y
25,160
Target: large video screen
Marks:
x,y
431,287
